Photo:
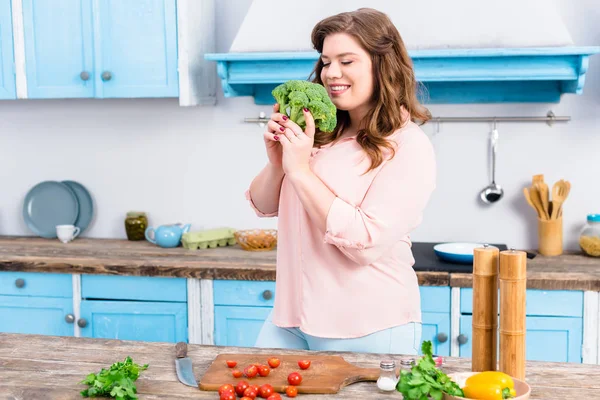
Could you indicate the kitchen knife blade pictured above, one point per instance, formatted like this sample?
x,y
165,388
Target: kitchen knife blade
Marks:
x,y
183,365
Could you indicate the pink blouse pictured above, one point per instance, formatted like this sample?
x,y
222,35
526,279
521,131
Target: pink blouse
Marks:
x,y
357,277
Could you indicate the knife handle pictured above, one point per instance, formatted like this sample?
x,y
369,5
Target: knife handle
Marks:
x,y
181,350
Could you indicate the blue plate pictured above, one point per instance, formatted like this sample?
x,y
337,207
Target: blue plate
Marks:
x,y
48,204
86,205
459,252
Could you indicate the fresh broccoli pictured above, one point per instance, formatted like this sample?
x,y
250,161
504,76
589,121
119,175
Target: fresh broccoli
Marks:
x,y
292,96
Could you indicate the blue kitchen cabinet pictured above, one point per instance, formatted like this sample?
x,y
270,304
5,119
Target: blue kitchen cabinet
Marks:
x,y
7,71
136,48
241,307
554,325
134,320
435,313
100,48
152,309
36,303
59,48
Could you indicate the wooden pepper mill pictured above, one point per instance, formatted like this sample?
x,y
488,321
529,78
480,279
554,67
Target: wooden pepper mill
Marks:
x,y
513,286
485,309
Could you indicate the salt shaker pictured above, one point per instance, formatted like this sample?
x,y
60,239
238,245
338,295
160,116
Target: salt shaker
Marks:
x,y
387,376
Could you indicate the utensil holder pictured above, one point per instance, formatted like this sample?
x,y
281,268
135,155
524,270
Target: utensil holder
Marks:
x,y
550,237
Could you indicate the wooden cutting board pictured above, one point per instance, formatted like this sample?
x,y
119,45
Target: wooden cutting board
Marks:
x,y
326,374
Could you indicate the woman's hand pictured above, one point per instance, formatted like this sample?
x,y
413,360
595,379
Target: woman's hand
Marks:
x,y
297,144
271,137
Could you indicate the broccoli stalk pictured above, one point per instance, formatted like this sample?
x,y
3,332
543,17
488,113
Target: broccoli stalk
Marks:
x,y
292,96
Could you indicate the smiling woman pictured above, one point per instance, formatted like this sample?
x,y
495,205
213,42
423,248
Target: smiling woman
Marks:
x,y
347,199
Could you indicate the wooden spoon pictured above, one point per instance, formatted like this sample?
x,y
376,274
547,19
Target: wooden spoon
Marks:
x,y
542,189
537,202
560,191
530,201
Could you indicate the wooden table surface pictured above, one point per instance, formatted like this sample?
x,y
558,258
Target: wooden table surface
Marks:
x,y
570,271
49,368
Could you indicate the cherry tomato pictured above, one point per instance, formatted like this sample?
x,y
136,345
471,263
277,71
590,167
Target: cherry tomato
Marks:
x,y
246,398
228,396
225,388
237,373
241,387
251,371
264,370
274,396
291,391
265,391
294,378
251,392
304,364
255,387
231,363
273,362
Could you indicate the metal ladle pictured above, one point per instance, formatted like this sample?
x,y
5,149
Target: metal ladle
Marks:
x,y
493,192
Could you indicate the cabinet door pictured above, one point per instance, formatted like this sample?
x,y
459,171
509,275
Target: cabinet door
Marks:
x,y
238,325
547,338
7,72
436,326
136,48
36,315
58,48
130,320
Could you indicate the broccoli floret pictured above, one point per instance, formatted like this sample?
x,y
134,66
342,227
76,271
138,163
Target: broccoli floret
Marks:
x,y
292,96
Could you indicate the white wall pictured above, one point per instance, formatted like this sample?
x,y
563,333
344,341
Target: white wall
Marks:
x,y
193,164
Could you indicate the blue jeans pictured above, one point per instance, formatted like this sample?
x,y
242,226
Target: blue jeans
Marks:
x,y
403,339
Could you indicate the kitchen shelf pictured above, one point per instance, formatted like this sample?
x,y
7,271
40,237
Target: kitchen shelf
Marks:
x,y
451,76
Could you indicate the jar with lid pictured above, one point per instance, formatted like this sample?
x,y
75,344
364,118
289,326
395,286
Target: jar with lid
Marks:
x,y
135,225
589,238
387,376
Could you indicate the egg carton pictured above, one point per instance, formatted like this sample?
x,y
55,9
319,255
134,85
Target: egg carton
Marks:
x,y
208,239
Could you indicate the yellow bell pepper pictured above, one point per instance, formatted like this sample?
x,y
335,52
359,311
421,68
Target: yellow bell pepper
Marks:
x,y
489,385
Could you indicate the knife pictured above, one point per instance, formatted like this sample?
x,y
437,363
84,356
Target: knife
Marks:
x,y
183,365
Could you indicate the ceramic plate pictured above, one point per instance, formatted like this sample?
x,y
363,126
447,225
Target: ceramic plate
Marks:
x,y
459,252
522,388
48,204
86,205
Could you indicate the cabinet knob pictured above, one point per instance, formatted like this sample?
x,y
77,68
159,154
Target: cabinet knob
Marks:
x,y
442,337
106,76
267,295
70,318
20,283
81,322
84,76
462,339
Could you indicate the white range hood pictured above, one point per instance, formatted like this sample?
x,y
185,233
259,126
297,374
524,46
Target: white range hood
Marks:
x,y
464,51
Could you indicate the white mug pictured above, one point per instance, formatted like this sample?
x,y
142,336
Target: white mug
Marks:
x,y
66,233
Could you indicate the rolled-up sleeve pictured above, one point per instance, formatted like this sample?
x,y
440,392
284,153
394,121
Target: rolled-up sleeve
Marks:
x,y
256,210
392,207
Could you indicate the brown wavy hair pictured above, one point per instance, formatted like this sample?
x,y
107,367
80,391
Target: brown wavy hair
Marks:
x,y
394,88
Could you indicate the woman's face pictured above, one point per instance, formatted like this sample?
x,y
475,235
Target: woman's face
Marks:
x,y
347,72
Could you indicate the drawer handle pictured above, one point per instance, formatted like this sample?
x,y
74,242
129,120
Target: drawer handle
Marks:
x,y
442,337
462,339
20,283
84,76
70,318
81,322
106,76
267,295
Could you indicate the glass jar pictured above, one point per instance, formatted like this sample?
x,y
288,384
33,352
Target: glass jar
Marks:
x,y
135,225
589,238
387,376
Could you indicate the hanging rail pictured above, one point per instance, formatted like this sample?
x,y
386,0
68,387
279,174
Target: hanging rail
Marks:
x,y
550,119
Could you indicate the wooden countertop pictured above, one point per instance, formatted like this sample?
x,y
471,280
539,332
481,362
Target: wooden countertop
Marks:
x,y
46,367
570,271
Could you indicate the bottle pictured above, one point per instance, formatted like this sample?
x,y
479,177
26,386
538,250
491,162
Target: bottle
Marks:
x,y
387,376
135,225
589,238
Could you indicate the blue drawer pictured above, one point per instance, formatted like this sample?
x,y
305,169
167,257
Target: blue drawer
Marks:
x,y
558,303
110,287
36,284
435,298
244,293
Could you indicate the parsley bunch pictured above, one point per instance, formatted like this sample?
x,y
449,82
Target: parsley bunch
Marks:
x,y
117,381
425,381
